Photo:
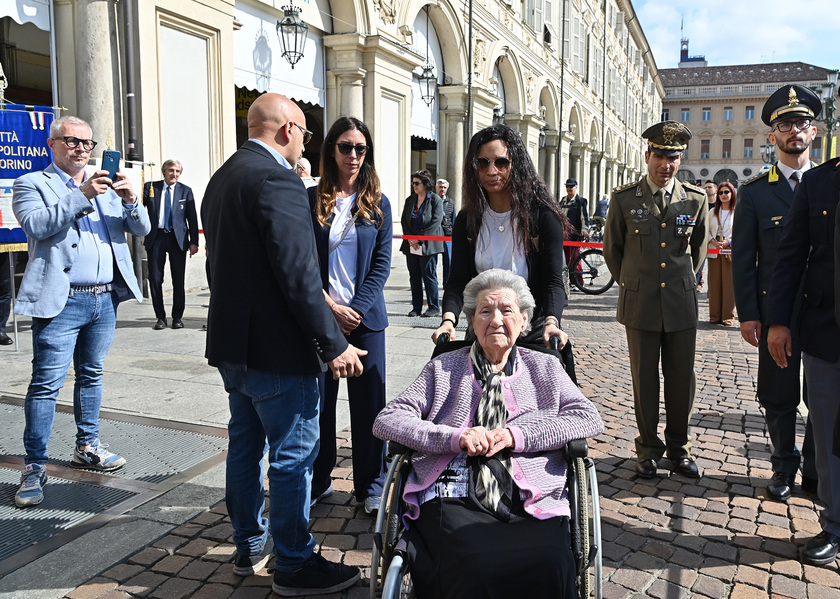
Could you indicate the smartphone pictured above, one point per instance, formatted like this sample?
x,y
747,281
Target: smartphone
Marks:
x,y
111,163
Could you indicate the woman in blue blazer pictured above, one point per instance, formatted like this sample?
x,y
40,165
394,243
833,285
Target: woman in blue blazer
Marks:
x,y
353,229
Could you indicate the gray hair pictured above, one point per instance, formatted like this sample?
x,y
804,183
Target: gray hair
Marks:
x,y
497,278
58,124
171,162
439,181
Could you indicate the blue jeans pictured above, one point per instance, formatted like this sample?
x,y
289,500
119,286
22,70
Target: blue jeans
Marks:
x,y
277,413
83,332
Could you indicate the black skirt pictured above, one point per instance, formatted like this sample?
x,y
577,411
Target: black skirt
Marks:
x,y
458,551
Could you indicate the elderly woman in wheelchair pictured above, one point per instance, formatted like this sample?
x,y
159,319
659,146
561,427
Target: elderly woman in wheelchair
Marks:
x,y
487,506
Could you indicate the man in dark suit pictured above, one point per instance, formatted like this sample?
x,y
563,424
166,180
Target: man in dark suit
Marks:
x,y
174,231
807,245
654,243
761,216
270,333
576,210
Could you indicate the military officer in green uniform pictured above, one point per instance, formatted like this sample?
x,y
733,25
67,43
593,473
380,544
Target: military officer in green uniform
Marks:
x,y
654,244
760,216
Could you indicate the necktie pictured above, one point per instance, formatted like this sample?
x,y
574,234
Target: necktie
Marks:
x,y
167,209
660,200
795,176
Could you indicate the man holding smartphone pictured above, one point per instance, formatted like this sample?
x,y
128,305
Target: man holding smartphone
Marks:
x,y
174,232
79,270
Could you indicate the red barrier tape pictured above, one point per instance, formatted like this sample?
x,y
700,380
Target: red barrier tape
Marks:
x,y
581,244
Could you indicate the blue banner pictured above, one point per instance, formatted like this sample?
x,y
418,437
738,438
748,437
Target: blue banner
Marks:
x,y
23,149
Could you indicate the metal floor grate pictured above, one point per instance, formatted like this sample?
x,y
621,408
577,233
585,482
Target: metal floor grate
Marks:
x,y
160,455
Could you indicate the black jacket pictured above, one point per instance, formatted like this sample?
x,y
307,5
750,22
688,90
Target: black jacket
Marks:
x,y
807,245
544,258
267,307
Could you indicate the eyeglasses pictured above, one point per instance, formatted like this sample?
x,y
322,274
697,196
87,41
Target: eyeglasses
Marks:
x,y
307,134
724,192
500,163
786,126
73,142
346,147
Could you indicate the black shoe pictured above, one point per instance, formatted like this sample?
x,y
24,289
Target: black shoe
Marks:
x,y
821,550
780,486
317,576
160,324
177,324
646,468
5,339
246,565
809,485
414,313
686,467
431,312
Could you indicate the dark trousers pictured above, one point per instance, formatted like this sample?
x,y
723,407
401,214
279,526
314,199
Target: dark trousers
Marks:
x,y
447,259
677,353
167,243
779,394
422,271
367,398
5,287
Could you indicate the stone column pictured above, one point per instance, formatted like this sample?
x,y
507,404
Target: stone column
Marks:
x,y
455,121
97,70
351,84
549,173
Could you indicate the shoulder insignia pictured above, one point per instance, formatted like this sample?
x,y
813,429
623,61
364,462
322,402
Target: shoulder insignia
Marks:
x,y
693,187
833,162
625,186
755,178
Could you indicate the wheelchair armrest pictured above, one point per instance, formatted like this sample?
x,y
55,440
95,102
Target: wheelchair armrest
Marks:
x,y
577,448
395,448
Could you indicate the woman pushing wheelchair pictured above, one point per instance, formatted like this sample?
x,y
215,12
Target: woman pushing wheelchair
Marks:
x,y
488,511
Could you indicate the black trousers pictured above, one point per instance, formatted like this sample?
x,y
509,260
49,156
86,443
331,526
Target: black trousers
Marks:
x,y
5,287
167,243
779,393
367,398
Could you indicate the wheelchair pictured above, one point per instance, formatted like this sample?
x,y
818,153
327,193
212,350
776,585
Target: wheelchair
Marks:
x,y
389,575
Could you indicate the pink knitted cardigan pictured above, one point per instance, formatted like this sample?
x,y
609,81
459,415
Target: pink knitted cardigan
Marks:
x,y
545,411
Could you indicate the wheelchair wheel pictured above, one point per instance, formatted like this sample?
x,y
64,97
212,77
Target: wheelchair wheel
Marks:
x,y
388,526
589,273
580,534
397,583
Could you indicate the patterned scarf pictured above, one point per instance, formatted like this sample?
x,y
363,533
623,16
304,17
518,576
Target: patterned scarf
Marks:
x,y
491,479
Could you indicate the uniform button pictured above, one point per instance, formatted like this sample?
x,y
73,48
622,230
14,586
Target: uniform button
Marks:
x,y
662,245
623,285
662,265
664,225
637,231
662,284
67,269
806,295
825,213
776,223
763,293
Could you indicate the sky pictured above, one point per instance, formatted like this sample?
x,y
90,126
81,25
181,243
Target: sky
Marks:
x,y
731,32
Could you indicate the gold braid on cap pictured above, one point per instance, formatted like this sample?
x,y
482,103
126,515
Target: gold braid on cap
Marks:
x,y
661,147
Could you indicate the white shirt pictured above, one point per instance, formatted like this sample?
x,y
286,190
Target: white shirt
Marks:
x,y
724,228
497,247
787,171
342,268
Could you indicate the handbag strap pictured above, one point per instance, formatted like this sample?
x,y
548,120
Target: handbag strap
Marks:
x,y
349,223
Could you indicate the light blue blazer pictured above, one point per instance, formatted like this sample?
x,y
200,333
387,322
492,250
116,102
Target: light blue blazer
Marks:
x,y
47,211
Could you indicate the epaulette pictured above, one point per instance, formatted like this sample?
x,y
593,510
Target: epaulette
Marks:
x,y
835,162
756,177
625,186
693,187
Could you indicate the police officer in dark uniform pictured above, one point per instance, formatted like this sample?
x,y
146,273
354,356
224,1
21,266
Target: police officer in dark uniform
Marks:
x,y
654,243
808,245
760,217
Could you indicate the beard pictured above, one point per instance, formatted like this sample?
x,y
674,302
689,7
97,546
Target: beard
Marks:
x,y
792,147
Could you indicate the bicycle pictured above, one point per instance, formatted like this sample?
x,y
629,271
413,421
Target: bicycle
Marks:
x,y
588,272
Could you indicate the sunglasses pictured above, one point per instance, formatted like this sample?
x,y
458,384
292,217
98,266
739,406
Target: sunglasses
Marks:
x,y
500,163
416,183
724,192
345,148
73,142
307,134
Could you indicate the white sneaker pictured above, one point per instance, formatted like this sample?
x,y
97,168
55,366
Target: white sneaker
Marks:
x,y
372,504
32,481
95,457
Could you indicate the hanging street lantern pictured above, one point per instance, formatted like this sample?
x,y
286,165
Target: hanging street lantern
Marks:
x,y
428,81
292,33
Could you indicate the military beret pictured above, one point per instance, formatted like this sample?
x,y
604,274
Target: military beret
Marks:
x,y
668,138
791,101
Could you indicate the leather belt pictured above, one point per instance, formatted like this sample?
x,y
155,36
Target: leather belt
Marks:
x,y
94,289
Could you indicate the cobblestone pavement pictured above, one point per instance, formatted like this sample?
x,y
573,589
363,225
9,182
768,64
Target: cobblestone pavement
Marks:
x,y
669,537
